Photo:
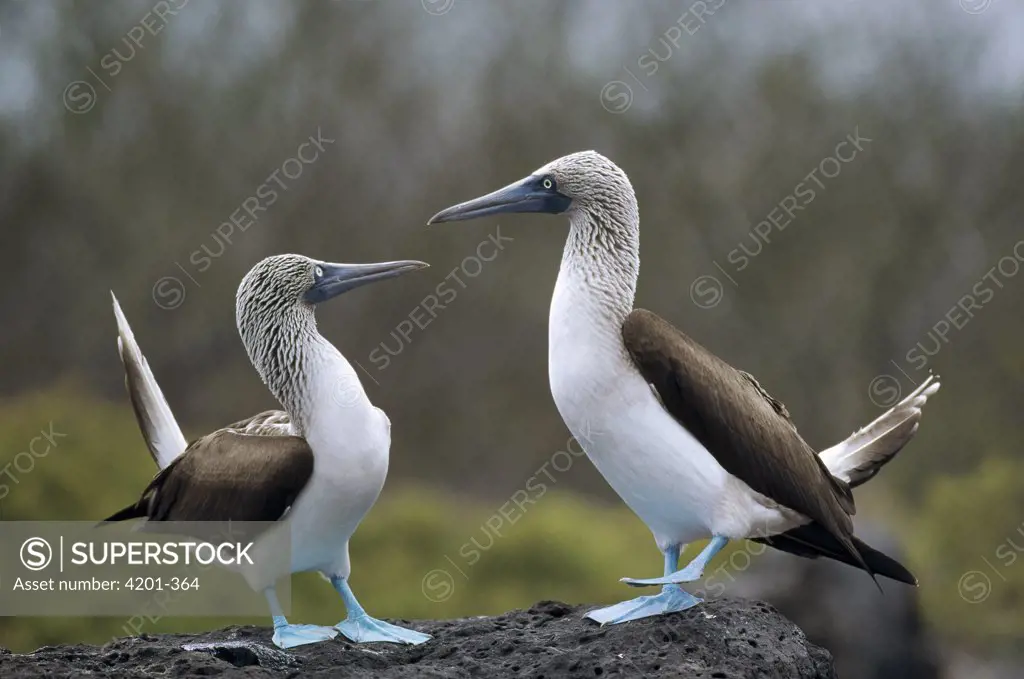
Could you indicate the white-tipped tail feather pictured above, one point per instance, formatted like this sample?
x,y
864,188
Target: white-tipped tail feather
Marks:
x,y
867,450
160,430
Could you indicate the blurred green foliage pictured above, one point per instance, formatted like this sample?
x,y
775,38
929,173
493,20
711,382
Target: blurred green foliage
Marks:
x,y
422,554
968,552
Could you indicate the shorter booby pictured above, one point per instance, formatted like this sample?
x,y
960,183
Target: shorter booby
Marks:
x,y
315,468
696,448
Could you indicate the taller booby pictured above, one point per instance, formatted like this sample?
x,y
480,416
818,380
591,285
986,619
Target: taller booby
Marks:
x,y
696,448
315,467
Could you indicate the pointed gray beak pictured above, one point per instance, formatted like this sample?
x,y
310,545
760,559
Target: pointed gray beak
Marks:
x,y
526,195
334,279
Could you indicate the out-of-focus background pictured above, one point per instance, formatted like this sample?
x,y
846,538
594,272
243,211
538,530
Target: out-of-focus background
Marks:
x,y
160,149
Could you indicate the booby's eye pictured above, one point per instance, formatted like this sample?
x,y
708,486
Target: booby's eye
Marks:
x,y
319,272
547,183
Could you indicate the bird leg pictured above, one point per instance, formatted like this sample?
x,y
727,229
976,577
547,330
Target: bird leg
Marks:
x,y
287,635
360,627
673,598
693,571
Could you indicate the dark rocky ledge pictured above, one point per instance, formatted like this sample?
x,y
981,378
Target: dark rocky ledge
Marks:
x,y
723,639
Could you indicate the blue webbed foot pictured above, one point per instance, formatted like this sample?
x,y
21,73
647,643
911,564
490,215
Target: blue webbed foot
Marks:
x,y
692,573
362,628
671,600
289,636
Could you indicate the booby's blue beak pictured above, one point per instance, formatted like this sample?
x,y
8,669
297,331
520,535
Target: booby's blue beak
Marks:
x,y
330,280
536,193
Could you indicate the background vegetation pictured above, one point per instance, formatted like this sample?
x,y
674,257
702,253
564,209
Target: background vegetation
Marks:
x,y
429,103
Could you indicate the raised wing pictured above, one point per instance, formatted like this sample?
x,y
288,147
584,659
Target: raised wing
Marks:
x,y
227,476
156,421
747,431
858,458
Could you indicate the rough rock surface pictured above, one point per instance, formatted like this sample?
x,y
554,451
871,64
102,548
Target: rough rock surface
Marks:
x,y
723,639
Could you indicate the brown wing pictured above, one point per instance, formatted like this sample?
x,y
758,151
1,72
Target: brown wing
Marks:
x,y
777,405
227,476
845,494
747,431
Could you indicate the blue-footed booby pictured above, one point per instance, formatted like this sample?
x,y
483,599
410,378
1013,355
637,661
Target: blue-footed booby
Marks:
x,y
315,467
696,448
